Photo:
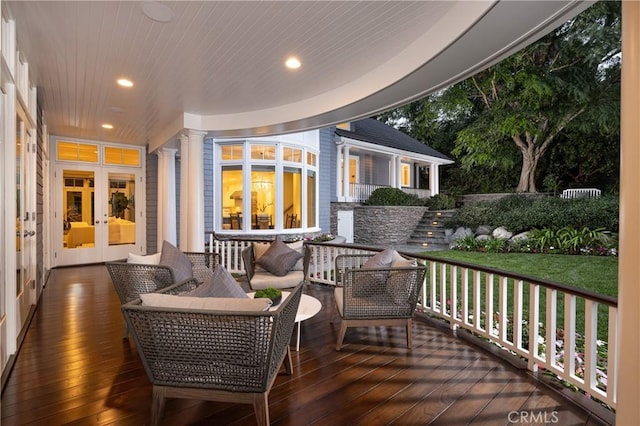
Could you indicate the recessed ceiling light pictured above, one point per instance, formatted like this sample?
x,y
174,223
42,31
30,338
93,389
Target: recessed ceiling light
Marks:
x,y
292,63
157,11
107,126
125,82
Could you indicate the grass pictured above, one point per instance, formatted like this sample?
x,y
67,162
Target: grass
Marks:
x,y
595,273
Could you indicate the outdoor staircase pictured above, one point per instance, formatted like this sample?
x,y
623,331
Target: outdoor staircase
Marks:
x,y
429,233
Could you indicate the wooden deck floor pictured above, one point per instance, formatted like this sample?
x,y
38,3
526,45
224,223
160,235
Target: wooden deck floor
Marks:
x,y
75,368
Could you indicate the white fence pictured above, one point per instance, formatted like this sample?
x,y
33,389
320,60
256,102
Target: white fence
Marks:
x,y
567,331
359,192
580,193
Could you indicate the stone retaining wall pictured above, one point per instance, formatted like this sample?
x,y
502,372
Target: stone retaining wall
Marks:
x,y
380,224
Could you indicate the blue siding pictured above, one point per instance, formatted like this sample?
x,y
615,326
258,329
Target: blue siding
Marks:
x,y
327,176
208,186
152,203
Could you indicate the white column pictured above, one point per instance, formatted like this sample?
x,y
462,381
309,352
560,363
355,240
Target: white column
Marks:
x,y
345,175
195,184
434,179
184,192
392,172
167,196
339,162
627,389
160,201
398,171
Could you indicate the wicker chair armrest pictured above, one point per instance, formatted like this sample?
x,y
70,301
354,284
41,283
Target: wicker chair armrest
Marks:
x,y
132,279
181,287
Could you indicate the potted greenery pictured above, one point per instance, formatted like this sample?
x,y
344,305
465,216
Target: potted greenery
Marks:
x,y
270,293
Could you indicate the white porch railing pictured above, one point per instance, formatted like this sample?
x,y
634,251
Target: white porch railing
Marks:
x,y
549,325
359,192
567,331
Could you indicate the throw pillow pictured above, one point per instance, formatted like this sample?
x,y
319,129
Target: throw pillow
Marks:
x,y
151,259
177,261
299,247
160,300
365,284
279,259
259,249
397,261
221,284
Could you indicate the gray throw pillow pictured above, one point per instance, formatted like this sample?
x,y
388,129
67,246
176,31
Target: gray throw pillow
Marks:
x,y
178,261
279,259
367,284
221,284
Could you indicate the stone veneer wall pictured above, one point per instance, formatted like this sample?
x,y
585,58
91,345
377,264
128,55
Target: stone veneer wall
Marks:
x,y
379,224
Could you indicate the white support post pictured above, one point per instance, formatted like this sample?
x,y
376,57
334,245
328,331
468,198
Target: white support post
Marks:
x,y
434,179
628,391
167,196
345,175
195,184
184,192
339,174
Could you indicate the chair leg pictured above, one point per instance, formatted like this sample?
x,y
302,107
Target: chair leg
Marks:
x,y
261,409
126,331
409,342
341,333
288,364
157,407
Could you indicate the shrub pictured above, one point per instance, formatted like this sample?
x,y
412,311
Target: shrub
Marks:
x,y
518,213
441,202
393,197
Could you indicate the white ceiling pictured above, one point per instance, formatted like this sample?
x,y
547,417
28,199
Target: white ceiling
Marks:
x,y
218,66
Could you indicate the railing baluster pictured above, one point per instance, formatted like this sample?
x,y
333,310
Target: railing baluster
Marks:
x,y
534,319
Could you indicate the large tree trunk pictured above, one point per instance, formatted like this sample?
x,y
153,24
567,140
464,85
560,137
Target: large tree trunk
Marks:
x,y
530,156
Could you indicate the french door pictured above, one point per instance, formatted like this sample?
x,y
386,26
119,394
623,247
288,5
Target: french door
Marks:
x,y
96,218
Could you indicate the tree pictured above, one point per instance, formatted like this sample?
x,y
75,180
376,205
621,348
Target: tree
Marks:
x,y
568,81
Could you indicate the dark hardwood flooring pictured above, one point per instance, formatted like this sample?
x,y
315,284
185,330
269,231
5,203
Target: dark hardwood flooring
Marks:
x,y
74,368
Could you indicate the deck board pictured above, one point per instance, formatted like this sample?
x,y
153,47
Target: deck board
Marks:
x,y
74,368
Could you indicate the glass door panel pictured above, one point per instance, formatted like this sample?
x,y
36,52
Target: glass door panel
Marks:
x,y
121,192
79,206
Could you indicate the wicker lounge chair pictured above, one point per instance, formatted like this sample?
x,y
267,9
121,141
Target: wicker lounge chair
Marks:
x,y
260,278
132,279
374,297
213,355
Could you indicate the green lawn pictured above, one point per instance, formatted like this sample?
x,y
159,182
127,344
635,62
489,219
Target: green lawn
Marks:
x,y
599,274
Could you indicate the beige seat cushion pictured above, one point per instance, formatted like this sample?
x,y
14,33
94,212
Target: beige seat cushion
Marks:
x,y
160,300
264,279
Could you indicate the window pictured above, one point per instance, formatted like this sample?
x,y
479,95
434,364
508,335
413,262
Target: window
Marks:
x,y
405,174
292,197
124,156
263,196
232,152
263,152
311,198
266,189
74,151
292,154
231,182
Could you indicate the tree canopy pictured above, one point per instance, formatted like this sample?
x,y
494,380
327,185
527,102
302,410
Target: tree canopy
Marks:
x,y
564,87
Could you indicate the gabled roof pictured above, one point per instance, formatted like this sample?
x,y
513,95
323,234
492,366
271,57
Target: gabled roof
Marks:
x,y
379,133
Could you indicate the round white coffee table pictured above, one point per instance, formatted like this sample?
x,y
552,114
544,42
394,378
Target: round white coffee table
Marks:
x,y
308,307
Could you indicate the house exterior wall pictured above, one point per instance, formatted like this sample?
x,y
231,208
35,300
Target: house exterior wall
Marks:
x,y
152,203
381,171
208,187
326,178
